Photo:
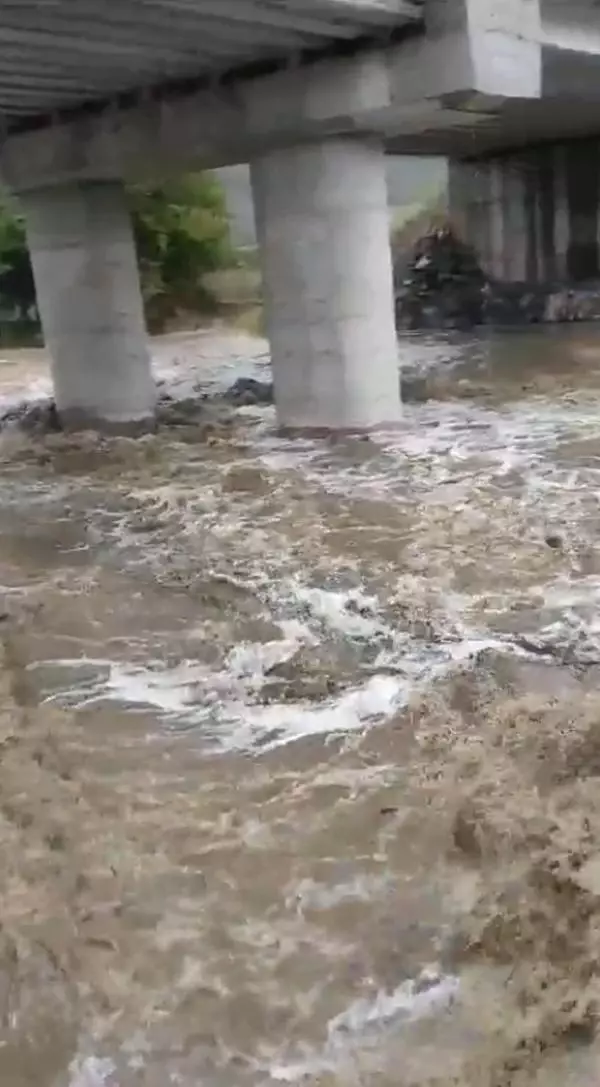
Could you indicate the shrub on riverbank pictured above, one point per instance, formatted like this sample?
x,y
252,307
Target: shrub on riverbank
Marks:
x,y
18,315
181,230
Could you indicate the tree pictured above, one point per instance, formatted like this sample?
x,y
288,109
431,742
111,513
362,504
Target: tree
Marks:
x,y
17,289
181,231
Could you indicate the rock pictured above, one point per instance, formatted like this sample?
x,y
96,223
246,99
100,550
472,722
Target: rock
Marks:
x,y
247,391
181,413
513,303
40,418
568,303
443,286
246,479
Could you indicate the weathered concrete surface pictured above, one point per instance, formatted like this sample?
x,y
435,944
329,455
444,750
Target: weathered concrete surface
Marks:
x,y
57,55
90,306
209,127
532,216
482,74
323,227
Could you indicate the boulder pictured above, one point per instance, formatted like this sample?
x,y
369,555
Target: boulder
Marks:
x,y
442,286
248,391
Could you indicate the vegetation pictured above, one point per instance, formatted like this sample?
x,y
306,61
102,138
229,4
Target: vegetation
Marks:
x,y
17,291
188,266
410,224
182,235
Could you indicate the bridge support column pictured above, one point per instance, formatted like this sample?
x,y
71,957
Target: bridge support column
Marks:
x,y
323,226
533,216
90,304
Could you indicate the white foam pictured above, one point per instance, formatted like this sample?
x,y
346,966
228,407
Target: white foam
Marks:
x,y
378,699
443,453
223,703
442,443
361,1025
352,613
188,695
253,660
411,1000
92,1072
36,391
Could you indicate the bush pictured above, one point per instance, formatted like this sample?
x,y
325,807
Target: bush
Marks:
x,y
17,290
182,234
181,231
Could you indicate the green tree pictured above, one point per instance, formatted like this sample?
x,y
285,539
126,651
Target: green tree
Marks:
x,y
181,231
17,290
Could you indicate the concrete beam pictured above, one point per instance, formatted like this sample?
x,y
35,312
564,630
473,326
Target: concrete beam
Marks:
x,y
204,128
476,56
506,45
491,48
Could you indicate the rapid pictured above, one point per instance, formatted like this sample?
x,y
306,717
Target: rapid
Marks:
x,y
300,740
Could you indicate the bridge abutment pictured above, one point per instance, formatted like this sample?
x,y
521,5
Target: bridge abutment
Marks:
x,y
323,228
90,305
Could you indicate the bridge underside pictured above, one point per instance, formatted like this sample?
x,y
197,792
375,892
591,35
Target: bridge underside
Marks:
x,y
311,93
471,125
105,91
58,55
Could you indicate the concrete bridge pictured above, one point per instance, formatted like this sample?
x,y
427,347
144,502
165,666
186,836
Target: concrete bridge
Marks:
x,y
312,93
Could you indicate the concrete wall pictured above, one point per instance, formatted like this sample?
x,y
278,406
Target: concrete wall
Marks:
x,y
532,216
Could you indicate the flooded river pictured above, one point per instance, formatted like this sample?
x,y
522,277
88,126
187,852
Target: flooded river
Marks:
x,y
300,741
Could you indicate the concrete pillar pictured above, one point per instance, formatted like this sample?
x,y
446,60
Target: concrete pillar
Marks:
x,y
544,206
476,211
515,221
494,204
562,234
89,299
323,227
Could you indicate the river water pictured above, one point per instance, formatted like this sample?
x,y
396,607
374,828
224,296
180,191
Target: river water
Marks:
x,y
300,741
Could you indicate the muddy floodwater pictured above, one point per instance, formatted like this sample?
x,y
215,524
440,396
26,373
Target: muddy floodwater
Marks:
x,y
300,741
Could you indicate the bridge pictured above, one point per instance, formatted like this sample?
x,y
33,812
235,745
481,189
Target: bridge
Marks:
x,y
312,93
60,54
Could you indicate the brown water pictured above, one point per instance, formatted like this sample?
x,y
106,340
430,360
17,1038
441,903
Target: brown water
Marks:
x,y
300,742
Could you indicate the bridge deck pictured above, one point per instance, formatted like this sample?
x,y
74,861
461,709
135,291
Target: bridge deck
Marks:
x,y
60,54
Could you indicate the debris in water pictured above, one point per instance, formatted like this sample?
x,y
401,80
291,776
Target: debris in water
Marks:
x,y
247,391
